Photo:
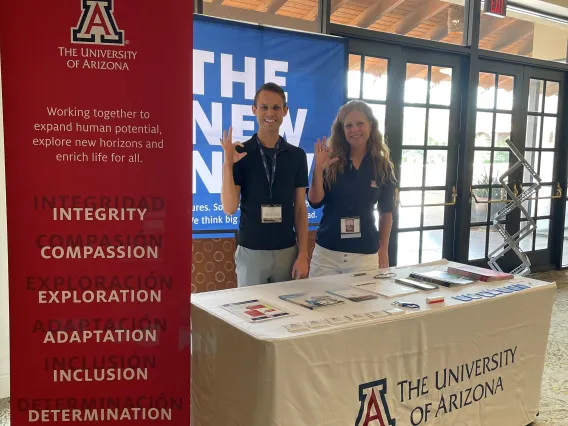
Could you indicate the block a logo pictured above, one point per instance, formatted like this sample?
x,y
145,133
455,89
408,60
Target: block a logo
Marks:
x,y
374,410
97,24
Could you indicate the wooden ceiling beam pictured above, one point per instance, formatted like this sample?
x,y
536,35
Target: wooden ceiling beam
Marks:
x,y
337,4
262,6
416,71
505,81
354,65
486,80
514,32
372,14
438,76
507,84
428,10
526,48
312,14
377,70
440,32
274,5
490,24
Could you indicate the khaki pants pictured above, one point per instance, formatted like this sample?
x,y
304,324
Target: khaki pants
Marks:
x,y
256,267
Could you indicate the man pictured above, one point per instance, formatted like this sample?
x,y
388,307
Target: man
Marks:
x,y
270,177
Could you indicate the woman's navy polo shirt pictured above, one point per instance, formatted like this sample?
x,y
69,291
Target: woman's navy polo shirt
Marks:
x,y
355,193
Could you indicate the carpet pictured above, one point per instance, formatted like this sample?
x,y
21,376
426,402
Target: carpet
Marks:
x,y
554,397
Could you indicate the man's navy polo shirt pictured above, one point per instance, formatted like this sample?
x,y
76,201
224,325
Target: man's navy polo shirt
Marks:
x,y
355,193
250,175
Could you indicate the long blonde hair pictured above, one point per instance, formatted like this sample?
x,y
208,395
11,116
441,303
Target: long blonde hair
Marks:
x,y
376,147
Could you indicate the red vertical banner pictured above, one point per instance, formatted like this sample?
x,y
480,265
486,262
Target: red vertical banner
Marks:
x,y
97,124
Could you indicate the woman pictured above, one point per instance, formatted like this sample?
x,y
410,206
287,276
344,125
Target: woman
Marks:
x,y
352,174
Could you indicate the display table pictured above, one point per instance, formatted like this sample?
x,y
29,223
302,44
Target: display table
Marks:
x,y
453,363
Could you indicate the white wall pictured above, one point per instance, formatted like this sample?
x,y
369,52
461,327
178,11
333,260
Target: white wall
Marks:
x,y
549,43
4,324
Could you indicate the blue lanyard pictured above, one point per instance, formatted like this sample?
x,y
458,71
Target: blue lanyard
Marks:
x,y
268,177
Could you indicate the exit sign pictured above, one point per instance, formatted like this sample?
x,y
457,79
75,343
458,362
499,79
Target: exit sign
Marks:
x,y
496,8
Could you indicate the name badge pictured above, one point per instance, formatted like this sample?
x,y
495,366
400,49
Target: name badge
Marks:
x,y
271,214
350,227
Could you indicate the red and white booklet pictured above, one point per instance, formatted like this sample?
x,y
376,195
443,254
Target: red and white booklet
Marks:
x,y
479,274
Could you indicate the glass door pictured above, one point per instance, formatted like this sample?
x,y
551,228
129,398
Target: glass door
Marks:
x,y
541,149
427,185
498,109
416,98
520,104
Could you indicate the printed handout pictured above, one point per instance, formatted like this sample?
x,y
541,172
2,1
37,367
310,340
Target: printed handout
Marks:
x,y
256,310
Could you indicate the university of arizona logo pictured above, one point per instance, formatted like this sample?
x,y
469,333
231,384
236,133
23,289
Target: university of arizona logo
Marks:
x,y
97,24
374,410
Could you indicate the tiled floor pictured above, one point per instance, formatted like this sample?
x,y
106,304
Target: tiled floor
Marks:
x,y
4,412
554,399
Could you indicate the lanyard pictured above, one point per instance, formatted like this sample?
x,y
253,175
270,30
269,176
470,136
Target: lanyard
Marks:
x,y
268,177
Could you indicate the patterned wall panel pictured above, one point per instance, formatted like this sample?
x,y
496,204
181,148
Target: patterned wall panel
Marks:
x,y
213,263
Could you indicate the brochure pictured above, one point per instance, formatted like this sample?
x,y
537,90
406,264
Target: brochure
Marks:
x,y
338,320
312,299
377,314
353,294
385,288
318,324
477,273
256,310
298,326
441,278
358,317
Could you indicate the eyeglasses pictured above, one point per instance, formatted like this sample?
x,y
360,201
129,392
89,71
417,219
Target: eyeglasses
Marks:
x,y
382,275
275,108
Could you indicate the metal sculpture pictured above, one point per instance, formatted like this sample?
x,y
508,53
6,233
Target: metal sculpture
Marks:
x,y
511,242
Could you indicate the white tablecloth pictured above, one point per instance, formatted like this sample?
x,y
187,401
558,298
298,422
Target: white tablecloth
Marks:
x,y
456,363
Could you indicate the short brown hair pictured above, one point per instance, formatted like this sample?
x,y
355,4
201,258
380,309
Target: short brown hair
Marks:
x,y
271,87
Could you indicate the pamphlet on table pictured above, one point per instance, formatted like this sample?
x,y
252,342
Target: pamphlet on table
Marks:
x,y
256,310
313,299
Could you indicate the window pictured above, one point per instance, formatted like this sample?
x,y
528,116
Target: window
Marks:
x,y
423,170
525,33
426,19
294,14
372,88
490,161
540,152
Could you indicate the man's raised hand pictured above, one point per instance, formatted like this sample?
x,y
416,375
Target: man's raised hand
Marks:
x,y
231,154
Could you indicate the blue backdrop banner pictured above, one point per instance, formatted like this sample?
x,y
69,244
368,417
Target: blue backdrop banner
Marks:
x,y
230,61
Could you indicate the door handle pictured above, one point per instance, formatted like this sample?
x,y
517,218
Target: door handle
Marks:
x,y
515,191
552,197
451,203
